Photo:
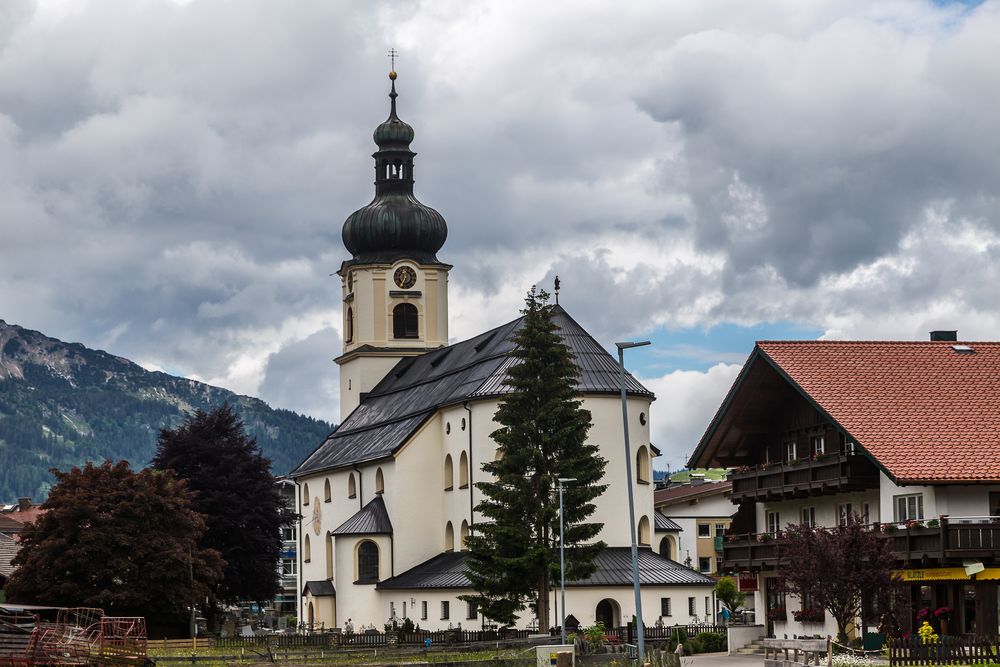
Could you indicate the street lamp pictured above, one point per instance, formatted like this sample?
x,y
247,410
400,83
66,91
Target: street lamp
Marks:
x,y
562,559
631,501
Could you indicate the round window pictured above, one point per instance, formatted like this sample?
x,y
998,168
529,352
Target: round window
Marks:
x,y
463,423
642,418
447,427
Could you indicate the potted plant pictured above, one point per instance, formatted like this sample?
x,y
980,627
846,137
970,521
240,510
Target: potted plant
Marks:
x,y
777,614
809,615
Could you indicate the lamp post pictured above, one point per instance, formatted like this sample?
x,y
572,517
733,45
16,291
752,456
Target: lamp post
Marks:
x,y
562,560
631,501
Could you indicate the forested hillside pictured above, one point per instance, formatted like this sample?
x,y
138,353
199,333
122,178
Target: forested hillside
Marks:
x,y
62,404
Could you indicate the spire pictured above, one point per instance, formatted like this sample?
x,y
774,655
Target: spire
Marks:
x,y
395,224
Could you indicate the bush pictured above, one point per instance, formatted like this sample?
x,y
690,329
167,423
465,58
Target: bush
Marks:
x,y
851,660
712,642
679,634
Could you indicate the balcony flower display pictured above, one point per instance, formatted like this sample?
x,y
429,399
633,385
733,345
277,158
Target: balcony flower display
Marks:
x,y
914,523
810,615
923,614
777,614
942,613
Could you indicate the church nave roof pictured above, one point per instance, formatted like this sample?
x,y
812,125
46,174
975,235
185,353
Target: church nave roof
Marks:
x,y
417,387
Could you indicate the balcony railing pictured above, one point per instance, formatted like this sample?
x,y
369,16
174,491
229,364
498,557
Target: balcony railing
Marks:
x,y
828,473
947,539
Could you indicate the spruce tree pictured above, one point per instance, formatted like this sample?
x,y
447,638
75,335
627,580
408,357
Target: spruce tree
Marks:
x,y
514,555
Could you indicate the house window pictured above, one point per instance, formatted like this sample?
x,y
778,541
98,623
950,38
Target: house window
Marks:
x,y
449,473
664,606
379,481
404,321
350,326
352,487
471,611
692,608
449,537
865,515
288,533
705,564
790,451
909,507
306,550
718,565
720,529
288,567
708,607
994,504
463,535
818,445
423,610
773,523
327,496
851,447
367,561
845,514
704,530
809,517
305,494
444,610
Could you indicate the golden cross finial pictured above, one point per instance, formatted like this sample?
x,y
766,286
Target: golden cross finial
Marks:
x,y
392,58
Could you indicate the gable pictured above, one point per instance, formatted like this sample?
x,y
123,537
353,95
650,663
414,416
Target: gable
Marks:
x,y
923,411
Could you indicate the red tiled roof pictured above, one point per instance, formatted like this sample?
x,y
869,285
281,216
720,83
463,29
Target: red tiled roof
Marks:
x,y
924,411
683,491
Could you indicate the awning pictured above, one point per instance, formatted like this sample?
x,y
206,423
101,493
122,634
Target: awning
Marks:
x,y
933,574
946,574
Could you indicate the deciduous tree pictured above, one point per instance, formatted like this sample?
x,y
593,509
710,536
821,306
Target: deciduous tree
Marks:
x,y
543,436
124,541
835,567
728,593
236,492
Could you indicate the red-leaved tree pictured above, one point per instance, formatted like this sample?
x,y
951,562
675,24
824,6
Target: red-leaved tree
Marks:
x,y
835,567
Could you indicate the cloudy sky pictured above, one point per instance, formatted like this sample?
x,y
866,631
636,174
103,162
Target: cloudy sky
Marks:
x,y
174,175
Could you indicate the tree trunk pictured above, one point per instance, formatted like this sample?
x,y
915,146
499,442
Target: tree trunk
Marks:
x,y
543,604
841,630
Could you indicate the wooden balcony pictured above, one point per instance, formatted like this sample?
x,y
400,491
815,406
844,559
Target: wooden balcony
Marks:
x,y
831,473
949,542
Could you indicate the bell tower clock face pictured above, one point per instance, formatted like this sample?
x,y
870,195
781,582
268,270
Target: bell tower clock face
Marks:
x,y
405,277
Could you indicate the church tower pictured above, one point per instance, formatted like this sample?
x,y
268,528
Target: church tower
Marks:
x,y
395,290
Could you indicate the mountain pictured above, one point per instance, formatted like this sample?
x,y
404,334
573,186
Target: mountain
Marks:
x,y
62,404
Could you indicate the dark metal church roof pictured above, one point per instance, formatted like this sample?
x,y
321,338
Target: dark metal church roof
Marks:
x,y
614,568
664,523
417,387
372,519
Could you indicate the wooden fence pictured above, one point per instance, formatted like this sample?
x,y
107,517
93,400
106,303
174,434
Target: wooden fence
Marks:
x,y
652,633
368,639
946,650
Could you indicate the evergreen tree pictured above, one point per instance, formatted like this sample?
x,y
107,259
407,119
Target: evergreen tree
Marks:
x,y
118,540
513,556
236,493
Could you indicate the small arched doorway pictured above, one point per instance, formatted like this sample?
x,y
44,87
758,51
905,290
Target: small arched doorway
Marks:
x,y
667,548
311,614
608,613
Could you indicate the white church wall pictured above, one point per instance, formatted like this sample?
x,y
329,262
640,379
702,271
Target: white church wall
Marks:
x,y
413,500
360,602
612,506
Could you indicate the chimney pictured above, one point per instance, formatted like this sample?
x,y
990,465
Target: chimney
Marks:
x,y
23,504
944,335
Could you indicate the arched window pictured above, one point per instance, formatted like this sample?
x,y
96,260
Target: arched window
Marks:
x,y
644,531
306,550
404,321
329,556
311,614
367,561
327,495
349,329
463,471
449,473
352,487
667,548
499,454
463,535
449,537
305,494
379,481
642,465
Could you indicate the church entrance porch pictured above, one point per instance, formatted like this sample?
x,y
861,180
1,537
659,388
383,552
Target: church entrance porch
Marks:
x,y
608,613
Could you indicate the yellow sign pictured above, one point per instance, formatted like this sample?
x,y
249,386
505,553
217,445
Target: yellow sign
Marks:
x,y
989,573
933,574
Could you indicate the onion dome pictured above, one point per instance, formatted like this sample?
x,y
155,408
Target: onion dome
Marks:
x,y
395,225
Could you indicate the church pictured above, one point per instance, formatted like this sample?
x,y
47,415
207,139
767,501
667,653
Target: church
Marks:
x,y
388,499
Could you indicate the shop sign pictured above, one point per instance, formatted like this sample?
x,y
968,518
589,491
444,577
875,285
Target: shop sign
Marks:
x,y
933,574
748,582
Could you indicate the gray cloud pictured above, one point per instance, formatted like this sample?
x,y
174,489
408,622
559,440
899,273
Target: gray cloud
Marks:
x,y
173,176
